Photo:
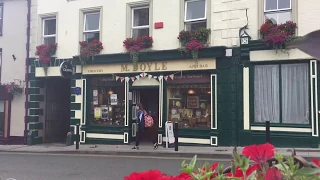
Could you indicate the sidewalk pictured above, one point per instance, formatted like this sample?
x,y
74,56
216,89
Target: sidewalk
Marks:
x,y
145,150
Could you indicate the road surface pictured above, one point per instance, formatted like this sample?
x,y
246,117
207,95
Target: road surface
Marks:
x,y
82,167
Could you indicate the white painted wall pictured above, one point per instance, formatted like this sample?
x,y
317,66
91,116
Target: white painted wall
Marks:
x,y
227,16
13,41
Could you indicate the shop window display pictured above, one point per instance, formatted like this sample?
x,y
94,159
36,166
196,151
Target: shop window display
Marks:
x,y
107,105
190,105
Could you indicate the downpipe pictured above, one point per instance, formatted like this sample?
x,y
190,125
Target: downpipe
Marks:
x,y
27,71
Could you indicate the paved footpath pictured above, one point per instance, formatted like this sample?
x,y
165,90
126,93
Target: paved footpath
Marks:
x,y
146,150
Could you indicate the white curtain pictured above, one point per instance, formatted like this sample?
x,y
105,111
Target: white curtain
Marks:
x,y
295,93
266,93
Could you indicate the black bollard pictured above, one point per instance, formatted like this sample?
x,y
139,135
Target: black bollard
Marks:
x,y
268,131
176,135
77,136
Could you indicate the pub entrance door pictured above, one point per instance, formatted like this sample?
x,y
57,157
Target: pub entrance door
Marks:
x,y
149,98
57,110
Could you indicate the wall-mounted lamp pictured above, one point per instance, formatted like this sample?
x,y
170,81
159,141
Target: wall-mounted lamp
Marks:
x,y
14,57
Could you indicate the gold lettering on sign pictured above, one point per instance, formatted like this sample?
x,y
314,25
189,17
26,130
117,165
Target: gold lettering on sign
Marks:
x,y
124,67
196,66
164,66
156,67
142,67
95,70
149,66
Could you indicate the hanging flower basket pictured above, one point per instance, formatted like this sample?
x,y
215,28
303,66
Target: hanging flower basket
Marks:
x,y
192,42
277,36
14,89
88,50
137,46
45,53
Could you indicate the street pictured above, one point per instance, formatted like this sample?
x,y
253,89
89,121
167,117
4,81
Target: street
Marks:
x,y
82,167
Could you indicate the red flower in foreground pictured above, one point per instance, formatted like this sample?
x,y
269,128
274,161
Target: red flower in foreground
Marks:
x,y
316,162
151,174
273,174
259,153
250,170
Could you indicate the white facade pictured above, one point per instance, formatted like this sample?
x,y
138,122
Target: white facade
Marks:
x,y
13,43
224,18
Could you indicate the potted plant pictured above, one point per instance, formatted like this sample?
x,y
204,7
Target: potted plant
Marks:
x,y
14,89
137,46
193,41
277,36
45,53
88,50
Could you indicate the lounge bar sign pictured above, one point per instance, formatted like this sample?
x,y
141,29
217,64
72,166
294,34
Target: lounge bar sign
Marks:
x,y
190,78
177,65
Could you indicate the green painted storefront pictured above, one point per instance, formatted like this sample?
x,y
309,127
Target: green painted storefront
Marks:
x,y
227,102
282,135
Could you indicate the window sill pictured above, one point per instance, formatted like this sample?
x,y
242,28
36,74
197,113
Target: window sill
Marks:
x,y
282,125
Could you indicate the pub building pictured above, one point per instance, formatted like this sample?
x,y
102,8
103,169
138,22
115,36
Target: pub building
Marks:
x,y
171,87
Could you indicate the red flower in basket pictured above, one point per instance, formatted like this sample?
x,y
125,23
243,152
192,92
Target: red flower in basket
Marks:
x,y
259,153
273,174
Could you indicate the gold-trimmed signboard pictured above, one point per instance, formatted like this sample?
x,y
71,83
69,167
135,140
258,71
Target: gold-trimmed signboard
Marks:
x,y
156,66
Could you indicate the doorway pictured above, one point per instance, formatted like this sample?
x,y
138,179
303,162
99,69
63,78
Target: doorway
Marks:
x,y
57,110
149,97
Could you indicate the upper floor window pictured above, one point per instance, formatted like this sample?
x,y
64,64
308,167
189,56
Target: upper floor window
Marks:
x,y
91,26
195,14
1,18
49,31
140,22
278,10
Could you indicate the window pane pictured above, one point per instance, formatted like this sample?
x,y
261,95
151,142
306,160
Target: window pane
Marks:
x,y
89,37
270,5
2,118
192,26
266,93
1,7
92,22
107,105
295,93
282,4
189,101
49,27
141,17
136,33
196,9
49,40
279,17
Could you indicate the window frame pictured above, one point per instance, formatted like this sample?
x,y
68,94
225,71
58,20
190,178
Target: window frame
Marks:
x,y
84,24
1,19
132,19
251,96
43,29
276,10
186,8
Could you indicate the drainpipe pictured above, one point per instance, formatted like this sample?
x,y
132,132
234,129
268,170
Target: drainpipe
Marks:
x,y
27,72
